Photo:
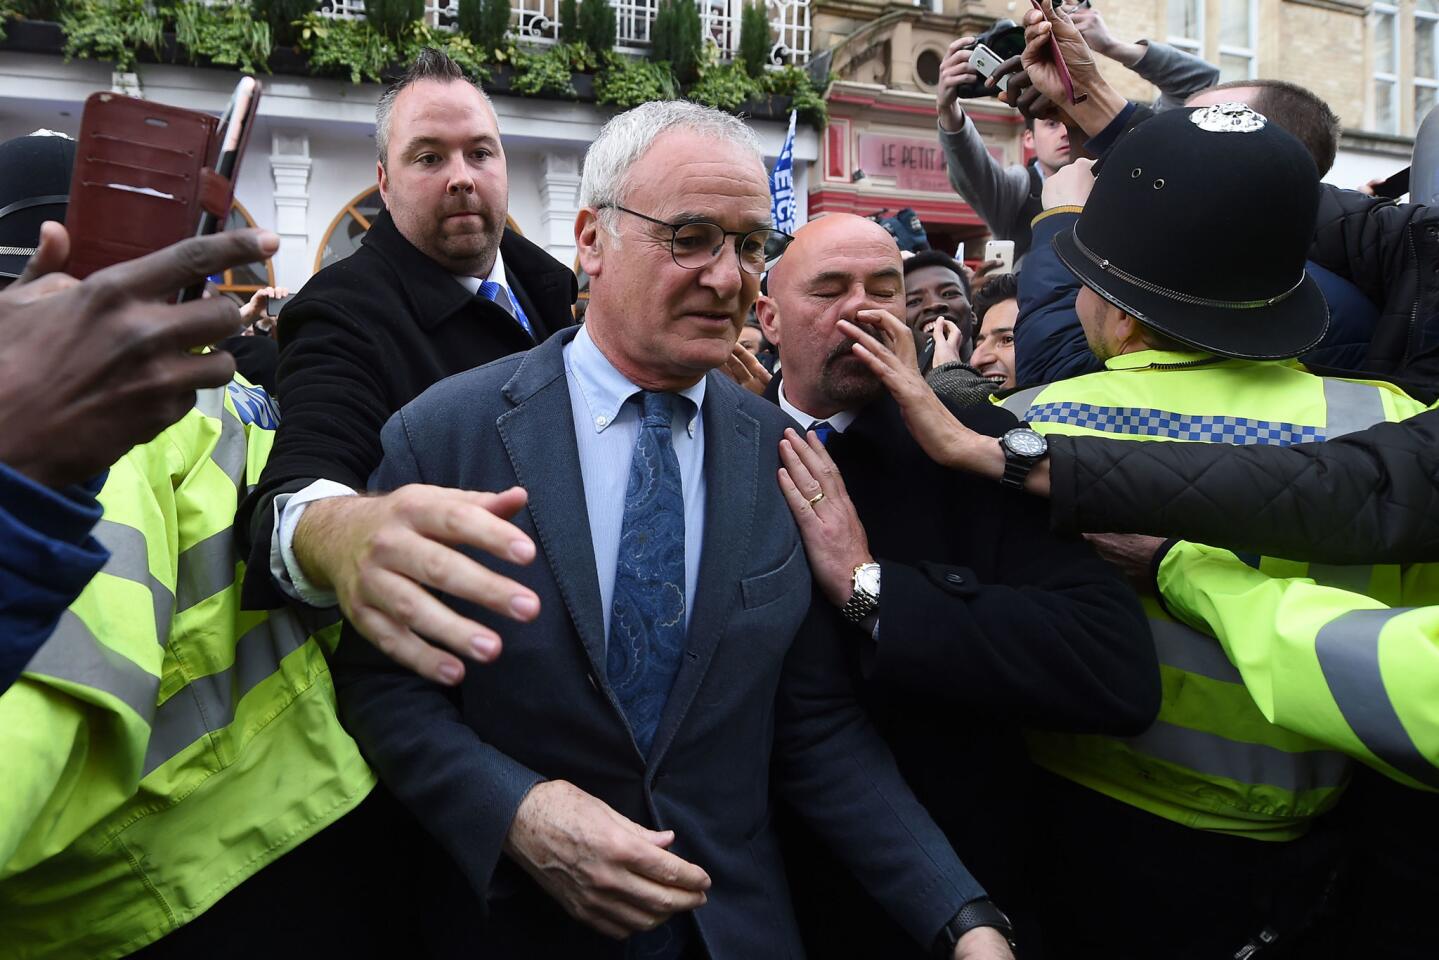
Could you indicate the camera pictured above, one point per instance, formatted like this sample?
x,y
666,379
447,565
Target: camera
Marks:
x,y
1004,39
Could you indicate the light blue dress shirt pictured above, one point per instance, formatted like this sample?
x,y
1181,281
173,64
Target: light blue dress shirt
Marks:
x,y
606,429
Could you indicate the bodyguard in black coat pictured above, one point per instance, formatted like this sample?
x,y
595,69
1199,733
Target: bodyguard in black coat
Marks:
x,y
988,624
364,337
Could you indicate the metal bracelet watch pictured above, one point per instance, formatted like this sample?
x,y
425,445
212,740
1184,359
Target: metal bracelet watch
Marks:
x,y
975,913
1023,448
865,598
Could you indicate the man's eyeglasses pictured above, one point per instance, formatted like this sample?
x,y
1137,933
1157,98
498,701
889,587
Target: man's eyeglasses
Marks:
x,y
698,243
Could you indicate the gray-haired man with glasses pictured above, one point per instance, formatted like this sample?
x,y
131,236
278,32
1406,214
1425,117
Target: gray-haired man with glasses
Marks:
x,y
608,777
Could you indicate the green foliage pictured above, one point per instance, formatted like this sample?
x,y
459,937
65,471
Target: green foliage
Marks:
x,y
486,22
754,42
677,38
456,46
114,30
224,33
347,45
545,73
392,17
569,21
597,25
626,82
725,86
794,82
282,15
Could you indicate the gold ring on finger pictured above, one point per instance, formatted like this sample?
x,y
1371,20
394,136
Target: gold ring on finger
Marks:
x,y
814,500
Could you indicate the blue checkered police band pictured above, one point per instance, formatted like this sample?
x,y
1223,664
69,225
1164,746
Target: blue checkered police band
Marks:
x,y
1137,421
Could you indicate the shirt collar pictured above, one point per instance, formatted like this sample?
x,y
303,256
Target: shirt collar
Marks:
x,y
1140,359
605,389
839,422
497,275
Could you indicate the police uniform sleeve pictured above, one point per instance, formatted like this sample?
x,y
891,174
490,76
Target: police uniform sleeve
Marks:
x,y
1333,665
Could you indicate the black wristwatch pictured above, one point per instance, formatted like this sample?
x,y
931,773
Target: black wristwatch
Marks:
x,y
975,913
1023,448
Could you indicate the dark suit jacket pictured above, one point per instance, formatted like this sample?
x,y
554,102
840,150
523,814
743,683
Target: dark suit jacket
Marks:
x,y
988,624
364,337
760,681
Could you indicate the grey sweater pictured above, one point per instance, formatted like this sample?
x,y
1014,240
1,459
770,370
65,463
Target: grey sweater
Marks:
x,y
1007,198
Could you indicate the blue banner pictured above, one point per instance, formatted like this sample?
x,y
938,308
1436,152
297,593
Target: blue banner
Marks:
x,y
781,184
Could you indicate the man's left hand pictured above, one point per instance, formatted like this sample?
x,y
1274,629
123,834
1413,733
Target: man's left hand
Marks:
x,y
828,523
1131,552
745,369
947,342
983,943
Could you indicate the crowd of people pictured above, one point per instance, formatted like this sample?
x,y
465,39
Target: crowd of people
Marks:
x,y
732,622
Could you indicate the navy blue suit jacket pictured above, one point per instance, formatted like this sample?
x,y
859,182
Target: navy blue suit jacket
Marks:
x,y
762,681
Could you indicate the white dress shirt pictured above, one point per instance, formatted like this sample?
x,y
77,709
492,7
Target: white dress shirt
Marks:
x,y
839,422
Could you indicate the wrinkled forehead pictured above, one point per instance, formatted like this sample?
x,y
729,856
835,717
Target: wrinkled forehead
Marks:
x,y
687,175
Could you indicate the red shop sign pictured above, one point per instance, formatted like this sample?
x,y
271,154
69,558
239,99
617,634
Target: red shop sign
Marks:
x,y
915,164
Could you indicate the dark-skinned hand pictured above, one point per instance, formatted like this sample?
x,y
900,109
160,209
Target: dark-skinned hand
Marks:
x,y
89,369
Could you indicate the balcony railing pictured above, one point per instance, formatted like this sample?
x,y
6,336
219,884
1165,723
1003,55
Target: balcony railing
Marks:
x,y
538,21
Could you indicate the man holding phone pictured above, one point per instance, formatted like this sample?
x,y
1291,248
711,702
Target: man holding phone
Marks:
x,y
1007,197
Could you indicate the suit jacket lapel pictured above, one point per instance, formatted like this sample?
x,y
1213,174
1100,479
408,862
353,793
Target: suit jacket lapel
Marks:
x,y
731,462
538,437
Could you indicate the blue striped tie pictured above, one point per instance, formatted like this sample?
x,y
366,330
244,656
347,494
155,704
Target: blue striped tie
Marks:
x,y
647,617
493,291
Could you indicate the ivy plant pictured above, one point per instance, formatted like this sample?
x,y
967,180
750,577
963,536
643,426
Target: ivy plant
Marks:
x,y
114,30
547,72
627,82
224,33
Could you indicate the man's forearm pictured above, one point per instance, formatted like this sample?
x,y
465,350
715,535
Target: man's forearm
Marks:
x,y
315,537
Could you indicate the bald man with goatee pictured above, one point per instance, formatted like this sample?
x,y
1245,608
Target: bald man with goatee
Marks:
x,y
970,621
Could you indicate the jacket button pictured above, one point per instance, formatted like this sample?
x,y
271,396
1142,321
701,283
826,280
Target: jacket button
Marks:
x,y
955,579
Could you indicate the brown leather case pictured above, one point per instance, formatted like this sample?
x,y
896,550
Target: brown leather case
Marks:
x,y
143,176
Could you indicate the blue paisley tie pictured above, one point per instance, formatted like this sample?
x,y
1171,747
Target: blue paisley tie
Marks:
x,y
493,291
647,619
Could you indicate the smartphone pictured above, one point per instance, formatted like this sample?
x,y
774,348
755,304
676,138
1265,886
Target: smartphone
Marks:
x,y
985,61
274,305
1394,187
1003,251
235,125
959,253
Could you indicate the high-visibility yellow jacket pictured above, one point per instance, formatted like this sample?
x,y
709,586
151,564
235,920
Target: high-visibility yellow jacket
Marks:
x,y
1212,760
165,745
1340,666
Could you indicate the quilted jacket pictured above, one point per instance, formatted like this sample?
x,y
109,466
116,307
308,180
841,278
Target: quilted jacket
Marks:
x,y
1369,497
1390,251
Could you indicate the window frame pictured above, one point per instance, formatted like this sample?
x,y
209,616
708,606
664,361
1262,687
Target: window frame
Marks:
x,y
1379,9
1249,53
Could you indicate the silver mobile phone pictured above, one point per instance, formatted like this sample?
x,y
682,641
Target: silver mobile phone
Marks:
x,y
985,61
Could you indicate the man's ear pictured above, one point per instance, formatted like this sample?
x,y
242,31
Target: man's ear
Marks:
x,y
590,236
384,182
1125,328
767,312
1026,139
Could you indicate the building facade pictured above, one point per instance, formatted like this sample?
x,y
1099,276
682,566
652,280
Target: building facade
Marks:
x,y
1376,65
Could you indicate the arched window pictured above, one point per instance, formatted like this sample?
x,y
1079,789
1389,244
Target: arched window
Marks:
x,y
245,280
353,222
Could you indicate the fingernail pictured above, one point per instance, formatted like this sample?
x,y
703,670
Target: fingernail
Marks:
x,y
522,551
269,240
484,648
452,673
525,605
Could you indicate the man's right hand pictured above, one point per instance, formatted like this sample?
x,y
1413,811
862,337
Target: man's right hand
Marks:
x,y
606,871
382,556
1070,186
90,369
954,71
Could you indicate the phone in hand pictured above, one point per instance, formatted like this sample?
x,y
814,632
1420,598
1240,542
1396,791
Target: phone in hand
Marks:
x,y
273,305
1003,251
985,62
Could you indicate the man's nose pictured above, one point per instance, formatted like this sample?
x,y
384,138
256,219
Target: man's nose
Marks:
x,y
461,180
723,274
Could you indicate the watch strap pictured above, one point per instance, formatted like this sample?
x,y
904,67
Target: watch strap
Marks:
x,y
976,913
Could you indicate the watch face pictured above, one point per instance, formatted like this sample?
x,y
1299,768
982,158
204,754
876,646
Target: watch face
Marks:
x,y
866,578
1025,443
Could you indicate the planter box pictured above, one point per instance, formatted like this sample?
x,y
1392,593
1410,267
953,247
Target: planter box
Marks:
x,y
33,36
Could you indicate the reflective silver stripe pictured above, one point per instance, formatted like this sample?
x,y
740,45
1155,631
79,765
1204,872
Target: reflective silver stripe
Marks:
x,y
1350,407
1191,651
1355,579
231,449
205,569
207,704
72,653
1019,403
1251,763
1348,651
130,560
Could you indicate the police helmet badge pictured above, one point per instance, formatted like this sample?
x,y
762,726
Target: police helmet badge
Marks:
x,y
1228,118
